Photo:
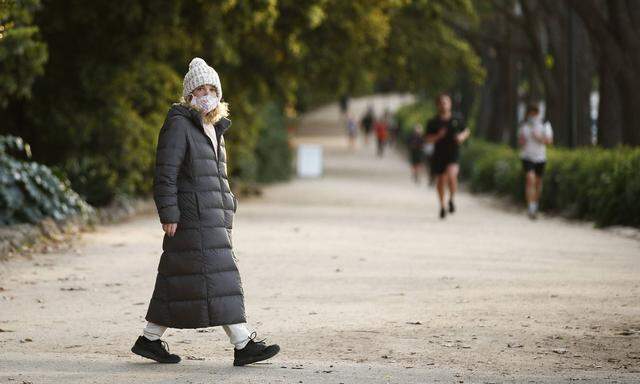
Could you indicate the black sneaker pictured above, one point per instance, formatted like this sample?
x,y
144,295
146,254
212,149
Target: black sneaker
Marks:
x,y
452,208
254,351
443,213
157,350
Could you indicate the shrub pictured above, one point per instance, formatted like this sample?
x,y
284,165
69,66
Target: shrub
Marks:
x,y
273,153
30,191
588,183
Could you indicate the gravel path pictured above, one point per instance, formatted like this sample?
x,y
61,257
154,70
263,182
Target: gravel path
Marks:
x,y
357,279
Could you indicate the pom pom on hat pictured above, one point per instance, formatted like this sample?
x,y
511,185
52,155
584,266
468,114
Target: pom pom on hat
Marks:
x,y
200,73
197,61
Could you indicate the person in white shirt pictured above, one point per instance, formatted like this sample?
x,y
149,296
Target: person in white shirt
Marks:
x,y
533,137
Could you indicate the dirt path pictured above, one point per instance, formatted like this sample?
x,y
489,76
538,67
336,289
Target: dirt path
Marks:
x,y
357,280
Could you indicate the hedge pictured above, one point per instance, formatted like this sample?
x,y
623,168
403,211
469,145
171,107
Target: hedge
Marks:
x,y
592,183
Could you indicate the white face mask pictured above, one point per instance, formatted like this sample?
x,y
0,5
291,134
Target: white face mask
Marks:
x,y
206,103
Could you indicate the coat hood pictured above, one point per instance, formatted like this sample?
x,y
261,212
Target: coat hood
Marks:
x,y
191,114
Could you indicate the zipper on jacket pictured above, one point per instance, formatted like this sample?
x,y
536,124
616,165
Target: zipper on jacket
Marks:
x,y
219,173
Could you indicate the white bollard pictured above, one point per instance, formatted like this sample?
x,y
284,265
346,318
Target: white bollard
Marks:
x,y
309,163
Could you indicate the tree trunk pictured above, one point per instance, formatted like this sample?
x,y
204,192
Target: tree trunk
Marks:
x,y
505,99
585,72
609,109
612,29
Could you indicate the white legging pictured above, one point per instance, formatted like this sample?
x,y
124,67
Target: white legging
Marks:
x,y
238,333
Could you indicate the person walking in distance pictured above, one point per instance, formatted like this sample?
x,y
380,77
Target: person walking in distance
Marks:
x,y
367,124
352,131
382,134
415,145
533,137
198,284
446,132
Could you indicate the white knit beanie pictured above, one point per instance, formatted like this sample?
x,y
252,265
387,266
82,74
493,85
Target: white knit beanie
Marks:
x,y
200,73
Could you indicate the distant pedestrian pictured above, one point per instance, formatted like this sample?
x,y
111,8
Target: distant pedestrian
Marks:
x,y
344,104
533,137
415,144
197,284
394,128
446,132
352,131
367,123
427,150
382,135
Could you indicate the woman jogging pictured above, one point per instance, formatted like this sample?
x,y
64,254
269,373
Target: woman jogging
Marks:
x,y
447,133
198,284
533,137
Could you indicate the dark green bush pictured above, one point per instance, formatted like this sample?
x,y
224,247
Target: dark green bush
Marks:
x,y
273,153
589,183
30,191
258,145
93,178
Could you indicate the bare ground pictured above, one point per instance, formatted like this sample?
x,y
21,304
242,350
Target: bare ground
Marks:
x,y
357,279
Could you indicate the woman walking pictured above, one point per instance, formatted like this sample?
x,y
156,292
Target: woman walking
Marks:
x,y
198,284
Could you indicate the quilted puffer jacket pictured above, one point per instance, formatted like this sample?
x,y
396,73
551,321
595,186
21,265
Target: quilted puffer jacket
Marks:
x,y
198,284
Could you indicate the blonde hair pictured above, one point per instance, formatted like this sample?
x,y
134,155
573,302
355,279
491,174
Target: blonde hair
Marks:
x,y
222,110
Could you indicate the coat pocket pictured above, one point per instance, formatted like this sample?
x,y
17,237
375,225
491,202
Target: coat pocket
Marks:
x,y
188,206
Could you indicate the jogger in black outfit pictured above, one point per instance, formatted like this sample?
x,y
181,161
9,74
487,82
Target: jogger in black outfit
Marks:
x,y
447,133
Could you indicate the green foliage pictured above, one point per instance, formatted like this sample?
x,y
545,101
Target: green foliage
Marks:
x,y
417,113
30,191
272,150
110,136
22,53
113,72
424,53
590,183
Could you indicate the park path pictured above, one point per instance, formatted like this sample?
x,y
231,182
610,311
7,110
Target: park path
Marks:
x,y
356,278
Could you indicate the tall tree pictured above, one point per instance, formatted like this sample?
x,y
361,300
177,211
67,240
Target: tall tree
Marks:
x,y
22,51
614,29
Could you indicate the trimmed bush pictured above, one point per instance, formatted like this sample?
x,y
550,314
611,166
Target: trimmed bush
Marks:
x,y
596,184
29,191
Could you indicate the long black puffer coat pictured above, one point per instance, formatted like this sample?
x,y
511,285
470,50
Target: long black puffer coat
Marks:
x,y
198,283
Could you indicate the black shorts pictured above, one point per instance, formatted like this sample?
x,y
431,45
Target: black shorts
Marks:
x,y
416,157
537,167
439,164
